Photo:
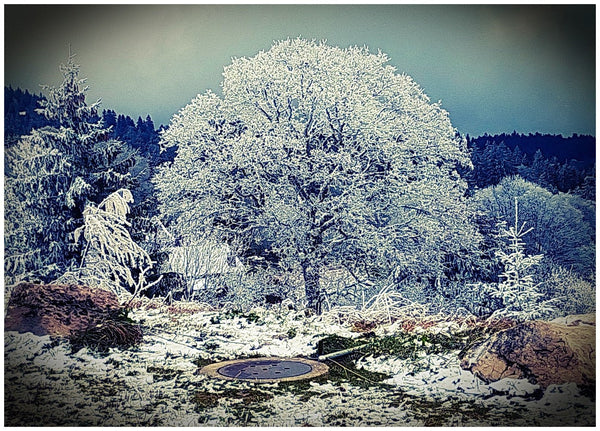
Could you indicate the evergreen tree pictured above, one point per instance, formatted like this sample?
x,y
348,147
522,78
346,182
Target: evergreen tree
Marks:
x,y
570,175
20,115
50,177
125,129
563,224
519,157
521,297
492,162
110,118
587,189
149,125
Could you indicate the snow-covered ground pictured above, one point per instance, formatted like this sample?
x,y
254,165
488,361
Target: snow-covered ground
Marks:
x,y
157,384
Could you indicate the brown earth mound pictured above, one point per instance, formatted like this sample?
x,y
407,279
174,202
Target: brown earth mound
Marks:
x,y
544,352
62,310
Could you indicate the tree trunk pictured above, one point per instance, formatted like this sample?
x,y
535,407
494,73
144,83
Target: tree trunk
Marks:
x,y
312,287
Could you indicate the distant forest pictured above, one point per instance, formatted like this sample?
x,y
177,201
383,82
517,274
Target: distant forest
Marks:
x,y
557,163
20,117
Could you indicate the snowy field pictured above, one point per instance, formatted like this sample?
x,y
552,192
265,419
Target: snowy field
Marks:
x,y
157,383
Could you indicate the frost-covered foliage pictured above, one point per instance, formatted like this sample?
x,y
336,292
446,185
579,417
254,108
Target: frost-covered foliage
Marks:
x,y
563,224
111,259
206,266
204,259
34,222
519,295
572,294
50,176
320,157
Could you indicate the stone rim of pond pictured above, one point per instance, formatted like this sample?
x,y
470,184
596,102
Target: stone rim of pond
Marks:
x,y
266,369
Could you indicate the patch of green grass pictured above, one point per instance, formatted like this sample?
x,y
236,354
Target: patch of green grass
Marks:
x,y
335,343
251,317
398,345
241,410
442,413
204,400
409,345
160,373
344,370
201,362
211,346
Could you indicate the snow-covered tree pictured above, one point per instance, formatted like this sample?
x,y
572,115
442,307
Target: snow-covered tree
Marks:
x,y
111,259
572,294
563,224
326,157
50,176
521,297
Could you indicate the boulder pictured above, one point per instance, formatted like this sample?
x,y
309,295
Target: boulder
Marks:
x,y
577,319
545,353
62,310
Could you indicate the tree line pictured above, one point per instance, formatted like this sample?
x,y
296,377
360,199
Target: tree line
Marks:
x,y
557,163
21,116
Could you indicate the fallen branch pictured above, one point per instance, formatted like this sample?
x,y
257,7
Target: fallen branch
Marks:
x,y
341,353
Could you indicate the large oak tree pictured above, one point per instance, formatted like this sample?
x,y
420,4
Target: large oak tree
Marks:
x,y
325,156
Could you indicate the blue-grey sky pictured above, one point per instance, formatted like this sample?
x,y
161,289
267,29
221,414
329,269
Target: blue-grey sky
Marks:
x,y
495,68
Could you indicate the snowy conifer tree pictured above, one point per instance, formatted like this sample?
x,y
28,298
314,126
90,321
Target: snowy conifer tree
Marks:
x,y
521,297
563,223
50,176
326,157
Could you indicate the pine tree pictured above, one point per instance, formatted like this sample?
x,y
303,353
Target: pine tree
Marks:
x,y
538,172
521,297
110,118
492,163
52,174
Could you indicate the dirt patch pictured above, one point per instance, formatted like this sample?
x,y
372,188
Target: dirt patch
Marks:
x,y
46,309
88,317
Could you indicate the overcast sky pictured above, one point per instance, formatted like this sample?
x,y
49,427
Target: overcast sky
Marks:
x,y
494,68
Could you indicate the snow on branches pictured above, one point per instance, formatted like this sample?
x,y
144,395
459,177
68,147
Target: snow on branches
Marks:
x,y
324,157
111,256
520,297
52,174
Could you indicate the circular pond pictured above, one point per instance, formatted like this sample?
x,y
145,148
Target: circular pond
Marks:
x,y
266,370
